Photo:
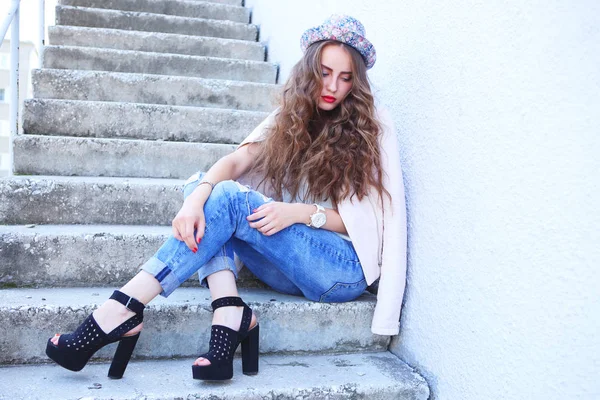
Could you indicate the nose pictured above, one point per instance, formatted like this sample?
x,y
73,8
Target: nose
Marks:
x,y
331,85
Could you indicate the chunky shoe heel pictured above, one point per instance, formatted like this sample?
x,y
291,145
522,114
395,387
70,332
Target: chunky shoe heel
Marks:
x,y
250,352
74,350
122,356
223,343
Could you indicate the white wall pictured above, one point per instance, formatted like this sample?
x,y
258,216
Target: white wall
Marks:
x,y
497,106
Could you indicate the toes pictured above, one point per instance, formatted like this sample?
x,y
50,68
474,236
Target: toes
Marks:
x,y
201,361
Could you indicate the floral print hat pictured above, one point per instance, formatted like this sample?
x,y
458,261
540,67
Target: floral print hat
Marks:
x,y
345,29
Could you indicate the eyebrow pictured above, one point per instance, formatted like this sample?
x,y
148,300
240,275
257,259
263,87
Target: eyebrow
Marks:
x,y
343,72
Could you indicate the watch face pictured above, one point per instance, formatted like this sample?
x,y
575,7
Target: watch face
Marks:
x,y
318,220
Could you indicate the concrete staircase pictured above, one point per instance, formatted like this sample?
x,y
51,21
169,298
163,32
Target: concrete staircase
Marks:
x,y
133,97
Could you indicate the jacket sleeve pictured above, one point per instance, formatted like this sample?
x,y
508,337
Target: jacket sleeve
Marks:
x,y
392,281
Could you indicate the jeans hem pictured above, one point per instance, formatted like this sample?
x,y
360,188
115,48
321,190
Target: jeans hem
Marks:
x,y
163,274
216,264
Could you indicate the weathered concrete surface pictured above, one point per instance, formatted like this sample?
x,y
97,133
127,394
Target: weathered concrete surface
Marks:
x,y
230,2
231,96
139,21
73,156
138,121
179,326
368,376
88,200
169,7
155,42
142,62
82,255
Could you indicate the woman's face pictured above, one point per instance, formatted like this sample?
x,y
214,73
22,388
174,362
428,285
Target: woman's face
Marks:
x,y
336,69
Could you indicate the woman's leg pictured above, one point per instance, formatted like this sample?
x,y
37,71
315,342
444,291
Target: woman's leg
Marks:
x,y
150,281
316,263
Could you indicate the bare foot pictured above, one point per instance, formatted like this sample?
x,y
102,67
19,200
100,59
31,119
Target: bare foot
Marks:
x,y
108,316
230,317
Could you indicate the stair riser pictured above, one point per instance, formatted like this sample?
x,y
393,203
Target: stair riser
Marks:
x,y
81,259
48,155
47,201
136,121
184,330
168,7
155,42
143,89
87,58
97,18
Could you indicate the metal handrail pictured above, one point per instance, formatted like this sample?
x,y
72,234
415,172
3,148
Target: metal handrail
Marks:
x,y
13,18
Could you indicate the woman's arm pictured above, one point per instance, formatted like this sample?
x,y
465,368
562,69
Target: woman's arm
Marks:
x,y
190,217
334,221
274,216
231,166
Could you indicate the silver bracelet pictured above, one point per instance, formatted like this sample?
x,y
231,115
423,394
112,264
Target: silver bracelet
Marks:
x,y
212,185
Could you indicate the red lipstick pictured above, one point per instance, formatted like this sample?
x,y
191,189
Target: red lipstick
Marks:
x,y
328,99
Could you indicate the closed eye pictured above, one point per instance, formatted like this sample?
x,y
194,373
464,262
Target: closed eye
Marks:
x,y
344,79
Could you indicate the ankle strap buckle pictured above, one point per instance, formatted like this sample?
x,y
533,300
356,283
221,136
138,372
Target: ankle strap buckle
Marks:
x,y
131,303
128,302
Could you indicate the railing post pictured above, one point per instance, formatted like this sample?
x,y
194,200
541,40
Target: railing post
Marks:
x,y
42,31
14,82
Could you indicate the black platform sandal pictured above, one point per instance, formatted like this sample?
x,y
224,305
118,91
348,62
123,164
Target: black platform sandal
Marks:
x,y
75,349
223,343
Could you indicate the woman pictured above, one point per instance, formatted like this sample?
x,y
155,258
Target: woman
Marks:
x,y
329,158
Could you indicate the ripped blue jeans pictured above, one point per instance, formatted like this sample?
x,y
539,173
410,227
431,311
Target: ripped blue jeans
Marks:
x,y
298,260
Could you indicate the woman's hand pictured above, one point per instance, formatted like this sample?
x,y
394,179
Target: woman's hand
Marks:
x,y
277,216
190,218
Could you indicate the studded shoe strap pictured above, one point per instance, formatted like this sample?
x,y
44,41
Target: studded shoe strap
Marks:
x,y
227,302
131,303
236,301
246,319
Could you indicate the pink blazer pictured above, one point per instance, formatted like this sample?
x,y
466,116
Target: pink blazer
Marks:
x,y
378,235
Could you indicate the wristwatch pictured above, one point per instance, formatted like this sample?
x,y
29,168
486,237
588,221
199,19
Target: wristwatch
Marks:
x,y
318,218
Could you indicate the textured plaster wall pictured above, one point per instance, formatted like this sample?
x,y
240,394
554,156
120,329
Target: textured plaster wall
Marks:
x,y
498,113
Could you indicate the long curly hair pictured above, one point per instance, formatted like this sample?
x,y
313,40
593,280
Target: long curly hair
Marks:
x,y
335,153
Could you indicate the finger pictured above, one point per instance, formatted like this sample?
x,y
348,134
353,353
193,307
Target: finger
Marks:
x,y
272,231
267,227
259,208
176,233
260,223
257,215
188,235
200,231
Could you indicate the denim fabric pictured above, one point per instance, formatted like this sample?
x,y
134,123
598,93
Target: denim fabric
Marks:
x,y
298,260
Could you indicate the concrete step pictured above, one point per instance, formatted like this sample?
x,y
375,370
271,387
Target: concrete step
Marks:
x,y
140,21
142,62
89,200
229,2
181,8
82,255
155,42
137,121
73,156
154,89
179,326
364,376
